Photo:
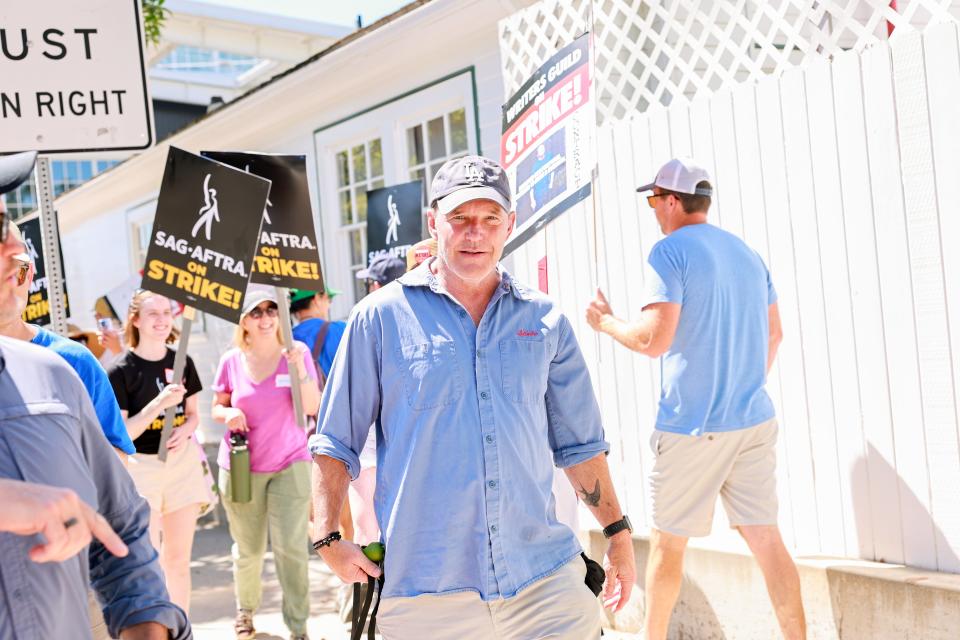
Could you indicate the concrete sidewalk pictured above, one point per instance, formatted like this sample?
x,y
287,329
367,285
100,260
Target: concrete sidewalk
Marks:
x,y
213,607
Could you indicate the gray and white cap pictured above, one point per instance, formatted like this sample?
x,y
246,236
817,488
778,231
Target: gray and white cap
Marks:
x,y
681,175
470,178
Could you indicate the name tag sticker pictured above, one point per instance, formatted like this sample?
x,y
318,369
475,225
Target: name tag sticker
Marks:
x,y
168,375
283,379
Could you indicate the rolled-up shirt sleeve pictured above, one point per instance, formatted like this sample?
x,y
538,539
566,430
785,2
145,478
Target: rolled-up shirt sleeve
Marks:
x,y
351,397
131,589
574,426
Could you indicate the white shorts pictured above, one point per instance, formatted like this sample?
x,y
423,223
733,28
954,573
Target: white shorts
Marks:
x,y
691,471
182,480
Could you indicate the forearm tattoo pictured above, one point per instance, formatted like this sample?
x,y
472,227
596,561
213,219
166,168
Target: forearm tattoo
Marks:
x,y
592,498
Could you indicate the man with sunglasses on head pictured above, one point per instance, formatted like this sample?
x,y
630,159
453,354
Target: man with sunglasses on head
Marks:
x,y
710,315
71,517
479,390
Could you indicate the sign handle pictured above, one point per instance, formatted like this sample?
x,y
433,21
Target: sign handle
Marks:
x,y
179,364
287,332
50,230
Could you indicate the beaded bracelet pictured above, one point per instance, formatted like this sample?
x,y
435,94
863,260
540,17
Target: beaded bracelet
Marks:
x,y
326,541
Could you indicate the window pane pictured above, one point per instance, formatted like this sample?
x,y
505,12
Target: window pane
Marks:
x,y
377,184
458,131
360,202
343,169
376,158
356,247
434,168
345,214
86,170
437,138
417,174
359,287
359,163
414,146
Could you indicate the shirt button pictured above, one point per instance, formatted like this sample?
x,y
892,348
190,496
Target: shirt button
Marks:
x,y
484,395
461,312
489,439
493,528
492,484
479,353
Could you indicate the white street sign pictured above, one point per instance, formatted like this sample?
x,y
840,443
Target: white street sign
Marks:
x,y
72,76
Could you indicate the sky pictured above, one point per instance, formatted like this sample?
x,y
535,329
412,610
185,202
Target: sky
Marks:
x,y
343,12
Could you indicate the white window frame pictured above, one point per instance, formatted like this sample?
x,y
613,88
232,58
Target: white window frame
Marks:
x,y
388,121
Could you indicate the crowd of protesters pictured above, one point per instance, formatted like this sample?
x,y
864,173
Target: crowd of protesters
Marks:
x,y
438,414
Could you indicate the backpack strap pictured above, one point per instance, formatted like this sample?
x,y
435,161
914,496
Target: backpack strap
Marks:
x,y
318,350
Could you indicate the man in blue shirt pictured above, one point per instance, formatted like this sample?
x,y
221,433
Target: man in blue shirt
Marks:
x,y
312,311
480,389
60,484
80,358
710,315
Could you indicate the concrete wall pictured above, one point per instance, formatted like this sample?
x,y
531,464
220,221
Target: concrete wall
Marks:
x,y
723,598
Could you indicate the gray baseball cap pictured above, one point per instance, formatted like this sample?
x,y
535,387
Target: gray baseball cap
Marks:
x,y
470,178
681,175
15,168
256,294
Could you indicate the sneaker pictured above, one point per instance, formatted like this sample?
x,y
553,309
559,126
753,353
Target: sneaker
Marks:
x,y
243,625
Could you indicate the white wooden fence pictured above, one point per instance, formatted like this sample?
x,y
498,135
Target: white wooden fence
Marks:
x,y
845,175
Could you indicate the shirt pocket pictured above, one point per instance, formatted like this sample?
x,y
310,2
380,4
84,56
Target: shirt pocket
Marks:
x,y
523,369
431,377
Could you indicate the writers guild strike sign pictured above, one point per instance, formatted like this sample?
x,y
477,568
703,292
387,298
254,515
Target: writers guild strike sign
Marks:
x,y
204,234
72,76
394,219
286,254
37,310
547,145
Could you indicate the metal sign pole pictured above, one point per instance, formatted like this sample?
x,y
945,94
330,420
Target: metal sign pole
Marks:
x,y
179,364
51,246
287,333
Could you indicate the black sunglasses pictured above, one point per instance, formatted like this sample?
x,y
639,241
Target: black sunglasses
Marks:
x,y
257,312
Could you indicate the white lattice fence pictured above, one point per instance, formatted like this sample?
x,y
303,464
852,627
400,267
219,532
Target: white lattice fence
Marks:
x,y
652,52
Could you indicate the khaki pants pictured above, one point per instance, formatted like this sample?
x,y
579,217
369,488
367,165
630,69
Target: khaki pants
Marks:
x,y
560,607
279,503
98,627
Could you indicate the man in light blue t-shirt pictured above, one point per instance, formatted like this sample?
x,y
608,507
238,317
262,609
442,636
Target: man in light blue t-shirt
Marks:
x,y
79,358
710,316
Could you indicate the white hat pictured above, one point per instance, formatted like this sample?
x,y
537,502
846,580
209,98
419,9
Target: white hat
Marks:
x,y
681,175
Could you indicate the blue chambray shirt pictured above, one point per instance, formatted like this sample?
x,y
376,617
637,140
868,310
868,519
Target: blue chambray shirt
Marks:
x,y
49,434
471,421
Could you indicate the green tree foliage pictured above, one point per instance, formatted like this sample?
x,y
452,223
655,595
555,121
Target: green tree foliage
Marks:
x,y
153,16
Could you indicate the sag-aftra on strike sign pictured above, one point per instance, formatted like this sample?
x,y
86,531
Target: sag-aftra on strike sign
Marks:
x,y
72,76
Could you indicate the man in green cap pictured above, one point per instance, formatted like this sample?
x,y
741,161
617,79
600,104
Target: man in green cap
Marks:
x,y
314,328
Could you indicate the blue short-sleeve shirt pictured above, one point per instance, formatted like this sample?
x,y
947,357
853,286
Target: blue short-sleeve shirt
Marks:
x,y
714,372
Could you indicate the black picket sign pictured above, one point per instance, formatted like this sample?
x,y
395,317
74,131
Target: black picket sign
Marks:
x,y
394,219
204,234
287,252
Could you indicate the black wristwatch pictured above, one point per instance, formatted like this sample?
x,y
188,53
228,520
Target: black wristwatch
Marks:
x,y
617,527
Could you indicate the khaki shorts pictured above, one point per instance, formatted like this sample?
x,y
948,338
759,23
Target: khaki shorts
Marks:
x,y
182,480
690,471
559,606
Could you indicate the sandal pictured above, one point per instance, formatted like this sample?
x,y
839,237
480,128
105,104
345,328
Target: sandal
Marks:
x,y
243,625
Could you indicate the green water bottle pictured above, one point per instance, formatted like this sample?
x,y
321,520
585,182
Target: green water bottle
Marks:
x,y
239,468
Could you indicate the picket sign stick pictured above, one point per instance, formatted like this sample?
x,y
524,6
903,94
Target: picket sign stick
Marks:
x,y
287,332
179,364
